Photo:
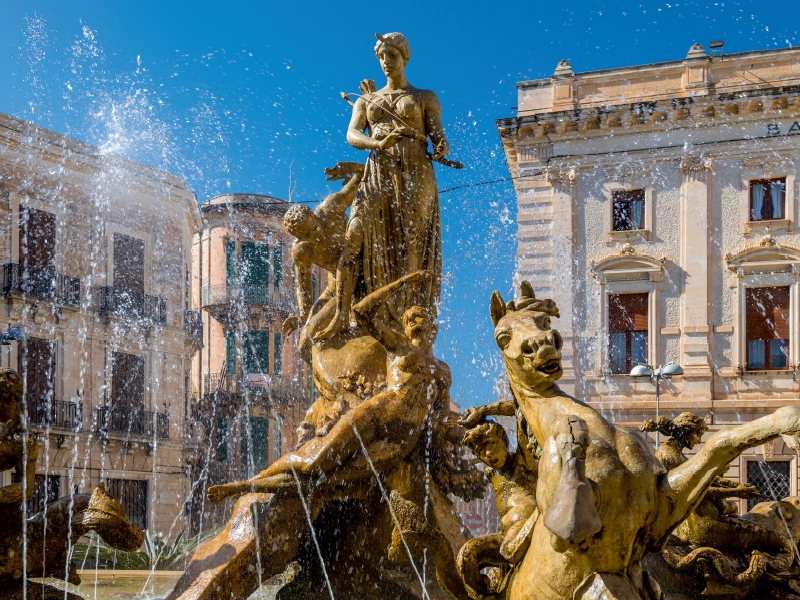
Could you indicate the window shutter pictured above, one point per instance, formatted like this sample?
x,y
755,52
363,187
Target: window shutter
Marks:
x,y
37,239
128,264
230,353
222,439
627,312
277,358
256,351
278,265
230,262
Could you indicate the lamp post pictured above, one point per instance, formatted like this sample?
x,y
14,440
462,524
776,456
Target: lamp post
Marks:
x,y
657,374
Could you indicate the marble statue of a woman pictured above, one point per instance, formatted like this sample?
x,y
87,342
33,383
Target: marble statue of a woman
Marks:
x,y
394,227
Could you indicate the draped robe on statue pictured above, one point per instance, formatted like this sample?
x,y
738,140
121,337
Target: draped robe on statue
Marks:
x,y
398,204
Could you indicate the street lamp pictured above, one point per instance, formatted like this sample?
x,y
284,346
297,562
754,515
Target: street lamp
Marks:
x,y
657,374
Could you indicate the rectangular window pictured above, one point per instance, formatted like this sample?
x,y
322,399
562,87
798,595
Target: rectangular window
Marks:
x,y
128,264
767,199
277,358
627,325
230,262
230,353
46,490
628,210
769,478
255,435
255,353
255,272
222,439
277,267
132,494
127,385
767,328
37,239
36,362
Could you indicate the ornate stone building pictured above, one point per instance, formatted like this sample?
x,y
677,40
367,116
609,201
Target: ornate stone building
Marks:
x,y
153,355
95,267
657,205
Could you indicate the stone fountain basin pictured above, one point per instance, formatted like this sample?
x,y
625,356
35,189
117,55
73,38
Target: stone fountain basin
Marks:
x,y
110,584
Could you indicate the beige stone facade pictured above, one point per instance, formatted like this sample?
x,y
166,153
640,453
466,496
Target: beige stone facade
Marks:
x,y
131,294
651,180
96,264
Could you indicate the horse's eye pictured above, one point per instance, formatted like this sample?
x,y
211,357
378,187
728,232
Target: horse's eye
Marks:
x,y
503,340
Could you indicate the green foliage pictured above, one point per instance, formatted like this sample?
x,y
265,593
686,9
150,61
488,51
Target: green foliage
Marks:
x,y
157,554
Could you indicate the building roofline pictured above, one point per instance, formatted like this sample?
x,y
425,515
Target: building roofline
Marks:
x,y
254,202
657,65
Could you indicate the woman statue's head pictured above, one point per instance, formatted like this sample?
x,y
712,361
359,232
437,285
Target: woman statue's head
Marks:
x,y
393,52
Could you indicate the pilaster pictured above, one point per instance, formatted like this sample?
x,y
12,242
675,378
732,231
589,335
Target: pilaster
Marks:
x,y
696,194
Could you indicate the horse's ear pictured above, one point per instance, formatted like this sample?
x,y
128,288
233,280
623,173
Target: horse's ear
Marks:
x,y
526,290
497,308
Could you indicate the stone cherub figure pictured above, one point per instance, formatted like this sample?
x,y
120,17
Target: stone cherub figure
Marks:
x,y
514,483
320,239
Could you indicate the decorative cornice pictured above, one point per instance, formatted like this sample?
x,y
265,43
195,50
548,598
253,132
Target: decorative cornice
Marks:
x,y
767,249
624,256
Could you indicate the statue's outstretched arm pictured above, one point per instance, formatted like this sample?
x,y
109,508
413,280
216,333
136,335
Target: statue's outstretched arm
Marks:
x,y
366,310
688,483
338,202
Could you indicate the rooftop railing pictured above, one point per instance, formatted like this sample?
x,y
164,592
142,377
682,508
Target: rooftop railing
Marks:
x,y
41,284
54,413
110,300
132,422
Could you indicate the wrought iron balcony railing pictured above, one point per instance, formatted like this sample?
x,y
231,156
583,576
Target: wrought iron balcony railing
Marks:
x,y
41,284
193,324
280,387
54,413
263,295
132,422
123,303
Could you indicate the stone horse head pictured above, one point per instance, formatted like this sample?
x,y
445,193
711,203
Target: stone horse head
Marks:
x,y
531,347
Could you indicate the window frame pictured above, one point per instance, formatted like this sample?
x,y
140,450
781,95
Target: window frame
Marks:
x,y
764,265
767,354
763,169
628,197
781,453
629,364
767,199
633,183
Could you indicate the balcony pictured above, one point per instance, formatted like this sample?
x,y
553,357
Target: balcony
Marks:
x,y
41,284
54,413
109,300
223,300
140,423
284,389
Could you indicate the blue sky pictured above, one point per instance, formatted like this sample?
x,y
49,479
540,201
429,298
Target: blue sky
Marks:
x,y
234,96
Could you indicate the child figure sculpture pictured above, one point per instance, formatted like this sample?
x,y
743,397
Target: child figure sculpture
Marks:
x,y
514,483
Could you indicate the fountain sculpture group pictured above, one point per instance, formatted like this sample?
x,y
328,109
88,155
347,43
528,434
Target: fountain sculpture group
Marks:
x,y
362,506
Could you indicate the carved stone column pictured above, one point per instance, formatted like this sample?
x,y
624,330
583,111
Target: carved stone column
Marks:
x,y
696,209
